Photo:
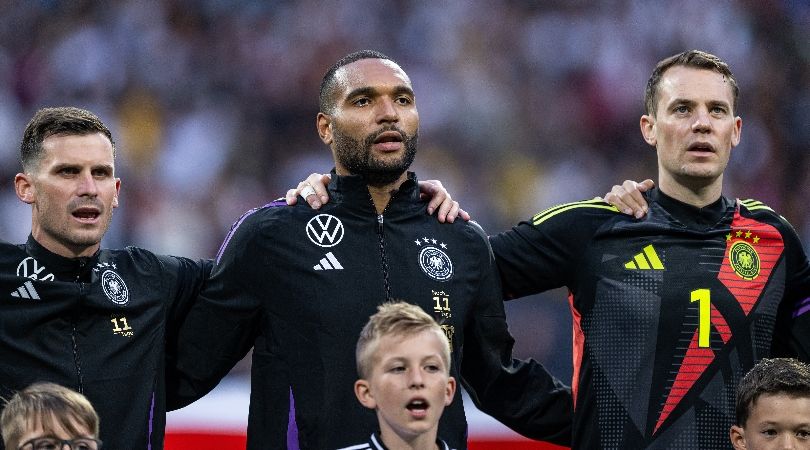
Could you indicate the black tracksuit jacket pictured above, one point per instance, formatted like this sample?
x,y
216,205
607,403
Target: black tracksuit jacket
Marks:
x,y
300,284
97,325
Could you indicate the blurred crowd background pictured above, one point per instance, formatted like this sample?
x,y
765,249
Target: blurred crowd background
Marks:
x,y
523,104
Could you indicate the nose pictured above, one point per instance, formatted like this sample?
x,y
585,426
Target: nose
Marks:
x,y
416,380
702,123
788,442
387,111
87,185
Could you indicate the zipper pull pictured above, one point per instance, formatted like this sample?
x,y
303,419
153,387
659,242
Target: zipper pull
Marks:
x,y
379,222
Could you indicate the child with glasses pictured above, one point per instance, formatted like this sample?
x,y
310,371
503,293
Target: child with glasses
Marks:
x,y
46,416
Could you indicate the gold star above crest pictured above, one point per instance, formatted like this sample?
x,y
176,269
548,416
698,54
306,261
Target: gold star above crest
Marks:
x,y
747,234
728,237
739,233
756,239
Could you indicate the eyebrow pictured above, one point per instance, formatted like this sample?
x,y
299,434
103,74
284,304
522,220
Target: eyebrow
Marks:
x,y
370,91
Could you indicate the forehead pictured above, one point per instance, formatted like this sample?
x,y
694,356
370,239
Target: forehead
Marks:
x,y
680,82
370,73
92,148
781,405
421,344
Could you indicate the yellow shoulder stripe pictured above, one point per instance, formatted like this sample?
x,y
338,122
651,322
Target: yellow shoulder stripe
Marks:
x,y
546,214
754,205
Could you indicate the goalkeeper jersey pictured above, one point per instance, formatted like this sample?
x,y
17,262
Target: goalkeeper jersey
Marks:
x,y
669,311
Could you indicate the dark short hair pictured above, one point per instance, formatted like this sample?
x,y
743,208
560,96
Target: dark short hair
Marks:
x,y
692,58
771,376
48,122
326,99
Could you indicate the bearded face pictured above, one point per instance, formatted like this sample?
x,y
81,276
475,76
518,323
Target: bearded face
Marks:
x,y
377,169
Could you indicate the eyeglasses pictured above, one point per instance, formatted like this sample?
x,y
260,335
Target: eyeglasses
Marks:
x,y
52,443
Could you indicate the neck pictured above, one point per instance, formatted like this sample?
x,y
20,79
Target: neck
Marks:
x,y
423,441
380,195
62,249
693,191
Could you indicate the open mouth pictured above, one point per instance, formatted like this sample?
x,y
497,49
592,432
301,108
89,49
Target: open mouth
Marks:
x,y
389,140
703,147
418,407
86,214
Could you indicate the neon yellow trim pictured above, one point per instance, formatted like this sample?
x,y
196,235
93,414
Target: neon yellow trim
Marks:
x,y
551,212
653,257
630,265
642,262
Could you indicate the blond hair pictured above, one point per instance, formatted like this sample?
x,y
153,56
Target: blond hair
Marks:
x,y
395,319
48,405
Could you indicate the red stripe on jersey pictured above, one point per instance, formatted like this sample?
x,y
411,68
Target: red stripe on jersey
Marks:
x,y
768,244
692,367
579,344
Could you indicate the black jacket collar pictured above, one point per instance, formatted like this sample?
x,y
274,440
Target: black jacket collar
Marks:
x,y
64,269
692,216
352,191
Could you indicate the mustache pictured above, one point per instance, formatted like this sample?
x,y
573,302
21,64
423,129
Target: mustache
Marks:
x,y
73,205
373,136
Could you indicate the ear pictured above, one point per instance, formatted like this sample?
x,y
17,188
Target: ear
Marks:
x,y
324,124
648,129
362,390
24,187
735,135
737,435
450,391
117,190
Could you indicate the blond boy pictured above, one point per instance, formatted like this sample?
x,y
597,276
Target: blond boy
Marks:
x,y
403,360
773,407
49,416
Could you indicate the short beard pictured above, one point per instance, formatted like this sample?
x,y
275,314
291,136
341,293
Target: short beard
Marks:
x,y
357,158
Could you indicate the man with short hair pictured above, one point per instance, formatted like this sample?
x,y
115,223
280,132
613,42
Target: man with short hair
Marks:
x,y
46,416
301,284
670,310
78,315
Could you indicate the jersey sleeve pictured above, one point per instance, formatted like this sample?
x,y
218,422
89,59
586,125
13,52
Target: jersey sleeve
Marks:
x,y
543,252
221,326
522,395
792,337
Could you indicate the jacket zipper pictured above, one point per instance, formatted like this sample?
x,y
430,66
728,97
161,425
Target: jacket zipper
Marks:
x,y
76,359
383,260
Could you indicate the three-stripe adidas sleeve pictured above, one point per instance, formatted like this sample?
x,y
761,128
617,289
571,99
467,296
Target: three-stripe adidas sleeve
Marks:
x,y
544,252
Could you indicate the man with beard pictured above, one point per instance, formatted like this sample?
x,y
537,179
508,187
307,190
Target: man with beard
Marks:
x,y
299,285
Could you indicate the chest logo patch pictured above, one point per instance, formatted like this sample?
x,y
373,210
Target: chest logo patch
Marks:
x,y
435,263
30,268
114,287
744,260
325,230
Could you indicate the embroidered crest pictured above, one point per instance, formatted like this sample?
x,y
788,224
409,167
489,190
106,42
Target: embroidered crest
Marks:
x,y
325,230
744,260
114,287
435,263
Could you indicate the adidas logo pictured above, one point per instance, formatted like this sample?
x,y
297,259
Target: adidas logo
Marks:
x,y
26,291
328,263
646,260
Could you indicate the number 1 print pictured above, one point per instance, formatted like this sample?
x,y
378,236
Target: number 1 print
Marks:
x,y
704,299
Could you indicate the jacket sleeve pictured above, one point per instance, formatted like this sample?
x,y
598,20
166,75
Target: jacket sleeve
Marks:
x,y
221,325
521,394
184,280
